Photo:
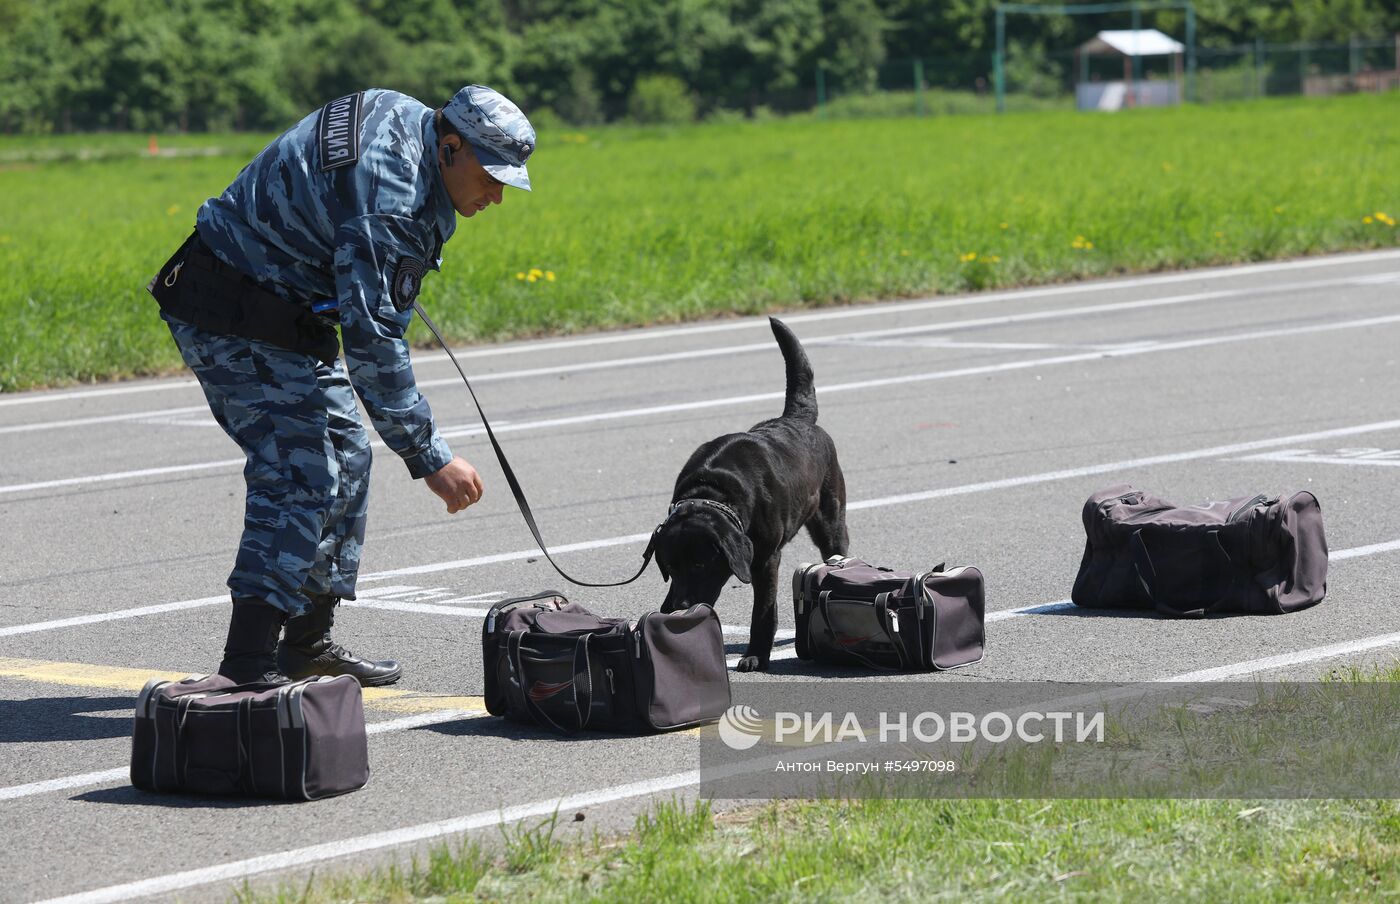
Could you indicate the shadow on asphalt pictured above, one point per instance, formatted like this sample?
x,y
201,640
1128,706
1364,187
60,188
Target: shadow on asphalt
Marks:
x,y
1081,612
496,727
65,719
128,795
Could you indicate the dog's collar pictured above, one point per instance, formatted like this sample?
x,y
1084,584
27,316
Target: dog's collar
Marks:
x,y
724,509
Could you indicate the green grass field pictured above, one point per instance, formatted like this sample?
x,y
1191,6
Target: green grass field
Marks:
x,y
1019,849
647,225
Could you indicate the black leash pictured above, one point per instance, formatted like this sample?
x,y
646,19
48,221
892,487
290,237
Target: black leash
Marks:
x,y
510,473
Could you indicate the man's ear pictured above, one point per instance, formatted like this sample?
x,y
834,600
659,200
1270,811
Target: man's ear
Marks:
x,y
737,549
449,148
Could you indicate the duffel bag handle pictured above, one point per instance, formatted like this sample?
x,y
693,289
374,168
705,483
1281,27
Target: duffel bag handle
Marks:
x,y
582,687
1146,572
537,600
823,599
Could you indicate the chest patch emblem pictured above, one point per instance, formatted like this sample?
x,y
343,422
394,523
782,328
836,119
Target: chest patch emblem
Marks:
x,y
338,133
408,278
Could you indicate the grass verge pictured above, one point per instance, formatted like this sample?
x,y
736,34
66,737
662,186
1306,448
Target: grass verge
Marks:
x,y
920,850
634,226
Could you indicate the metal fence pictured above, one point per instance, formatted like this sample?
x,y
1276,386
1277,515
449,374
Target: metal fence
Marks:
x,y
965,83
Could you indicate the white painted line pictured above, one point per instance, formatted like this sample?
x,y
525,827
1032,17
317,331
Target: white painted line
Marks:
x,y
1305,456
378,841
419,608
306,856
822,392
39,397
836,339
103,419
531,553
462,612
1068,473
1358,551
839,313
66,783
1037,609
116,615
965,489
423,720
88,779
121,475
1283,660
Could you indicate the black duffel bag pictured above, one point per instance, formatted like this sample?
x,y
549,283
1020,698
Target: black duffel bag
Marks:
x,y
299,741
1252,554
853,613
554,663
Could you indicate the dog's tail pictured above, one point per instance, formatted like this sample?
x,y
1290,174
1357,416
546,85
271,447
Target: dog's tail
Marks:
x,y
801,399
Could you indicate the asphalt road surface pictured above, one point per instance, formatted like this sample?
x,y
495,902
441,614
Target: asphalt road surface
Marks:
x,y
970,429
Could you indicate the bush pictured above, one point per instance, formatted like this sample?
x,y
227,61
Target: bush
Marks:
x,y
660,99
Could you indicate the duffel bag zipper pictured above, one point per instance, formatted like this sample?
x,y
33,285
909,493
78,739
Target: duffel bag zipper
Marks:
x,y
799,586
508,605
1235,515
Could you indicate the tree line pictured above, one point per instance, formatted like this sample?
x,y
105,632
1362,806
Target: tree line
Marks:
x,y
80,65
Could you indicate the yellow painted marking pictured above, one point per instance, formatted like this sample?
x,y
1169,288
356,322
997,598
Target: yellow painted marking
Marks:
x,y
80,674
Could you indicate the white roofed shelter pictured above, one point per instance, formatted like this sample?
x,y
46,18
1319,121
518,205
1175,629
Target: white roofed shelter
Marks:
x,y
1133,91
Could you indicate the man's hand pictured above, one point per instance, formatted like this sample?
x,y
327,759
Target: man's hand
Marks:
x,y
457,484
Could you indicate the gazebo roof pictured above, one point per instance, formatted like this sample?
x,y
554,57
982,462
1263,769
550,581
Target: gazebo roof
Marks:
x,y
1142,42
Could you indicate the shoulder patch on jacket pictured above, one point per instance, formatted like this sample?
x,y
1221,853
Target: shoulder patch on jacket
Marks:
x,y
338,132
408,278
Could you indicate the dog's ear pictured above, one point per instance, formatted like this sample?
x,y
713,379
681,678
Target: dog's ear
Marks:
x,y
737,549
654,551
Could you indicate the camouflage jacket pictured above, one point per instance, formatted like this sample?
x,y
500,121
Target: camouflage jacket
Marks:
x,y
343,212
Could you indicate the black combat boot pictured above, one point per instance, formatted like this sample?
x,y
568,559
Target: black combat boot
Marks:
x,y
250,653
308,649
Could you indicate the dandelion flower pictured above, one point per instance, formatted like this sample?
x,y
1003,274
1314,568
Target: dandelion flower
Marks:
x,y
1367,220
995,258
532,278
519,275
536,272
549,275
903,252
1004,225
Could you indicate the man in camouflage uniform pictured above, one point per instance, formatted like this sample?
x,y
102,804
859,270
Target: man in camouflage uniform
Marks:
x,y
334,223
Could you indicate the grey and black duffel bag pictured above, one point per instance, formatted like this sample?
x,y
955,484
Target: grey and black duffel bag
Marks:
x,y
554,663
1253,554
299,741
853,613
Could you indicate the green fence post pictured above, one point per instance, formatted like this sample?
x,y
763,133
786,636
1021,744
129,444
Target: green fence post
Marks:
x,y
821,93
1191,52
1261,89
919,86
1303,67
1137,58
998,62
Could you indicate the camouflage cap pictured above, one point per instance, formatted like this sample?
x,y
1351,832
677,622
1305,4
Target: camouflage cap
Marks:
x,y
496,129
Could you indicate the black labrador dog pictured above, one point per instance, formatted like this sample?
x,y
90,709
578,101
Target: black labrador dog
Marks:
x,y
740,499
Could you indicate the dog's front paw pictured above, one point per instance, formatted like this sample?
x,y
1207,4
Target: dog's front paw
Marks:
x,y
752,664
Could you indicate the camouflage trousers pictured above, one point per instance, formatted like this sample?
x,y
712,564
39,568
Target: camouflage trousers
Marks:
x,y
308,464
